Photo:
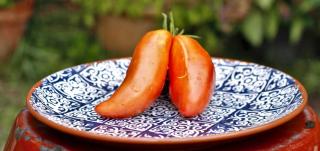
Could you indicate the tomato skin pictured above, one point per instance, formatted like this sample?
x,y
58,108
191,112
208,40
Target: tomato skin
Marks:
x,y
144,80
192,76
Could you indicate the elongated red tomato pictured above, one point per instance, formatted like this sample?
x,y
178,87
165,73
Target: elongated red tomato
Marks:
x,y
192,76
144,80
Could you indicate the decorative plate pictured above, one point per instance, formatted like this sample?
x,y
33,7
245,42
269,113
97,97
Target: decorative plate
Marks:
x,y
248,98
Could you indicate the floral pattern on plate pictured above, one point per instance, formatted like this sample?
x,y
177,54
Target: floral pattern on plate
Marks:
x,y
247,95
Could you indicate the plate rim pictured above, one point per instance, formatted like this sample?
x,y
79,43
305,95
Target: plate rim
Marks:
x,y
163,141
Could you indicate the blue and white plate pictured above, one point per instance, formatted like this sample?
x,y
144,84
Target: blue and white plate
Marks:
x,y
248,98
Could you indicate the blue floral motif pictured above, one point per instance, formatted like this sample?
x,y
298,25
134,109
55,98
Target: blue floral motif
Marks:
x,y
247,95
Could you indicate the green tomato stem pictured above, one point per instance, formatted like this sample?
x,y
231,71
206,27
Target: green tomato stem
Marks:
x,y
165,21
174,30
194,36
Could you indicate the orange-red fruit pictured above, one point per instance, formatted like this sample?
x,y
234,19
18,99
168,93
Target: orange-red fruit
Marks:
x,y
144,80
192,76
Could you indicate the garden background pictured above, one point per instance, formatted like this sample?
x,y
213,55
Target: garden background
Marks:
x,y
284,34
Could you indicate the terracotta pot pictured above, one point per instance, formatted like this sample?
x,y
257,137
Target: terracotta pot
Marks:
x,y
119,34
12,25
299,134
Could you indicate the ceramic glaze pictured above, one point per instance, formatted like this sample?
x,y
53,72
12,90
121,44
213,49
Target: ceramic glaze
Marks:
x,y
246,96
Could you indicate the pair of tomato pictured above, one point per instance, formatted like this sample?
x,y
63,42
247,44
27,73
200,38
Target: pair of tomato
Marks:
x,y
191,76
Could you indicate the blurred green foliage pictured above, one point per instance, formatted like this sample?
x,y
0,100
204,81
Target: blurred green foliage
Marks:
x,y
55,39
281,34
6,3
90,9
265,31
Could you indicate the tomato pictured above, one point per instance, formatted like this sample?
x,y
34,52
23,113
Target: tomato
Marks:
x,y
191,75
144,80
